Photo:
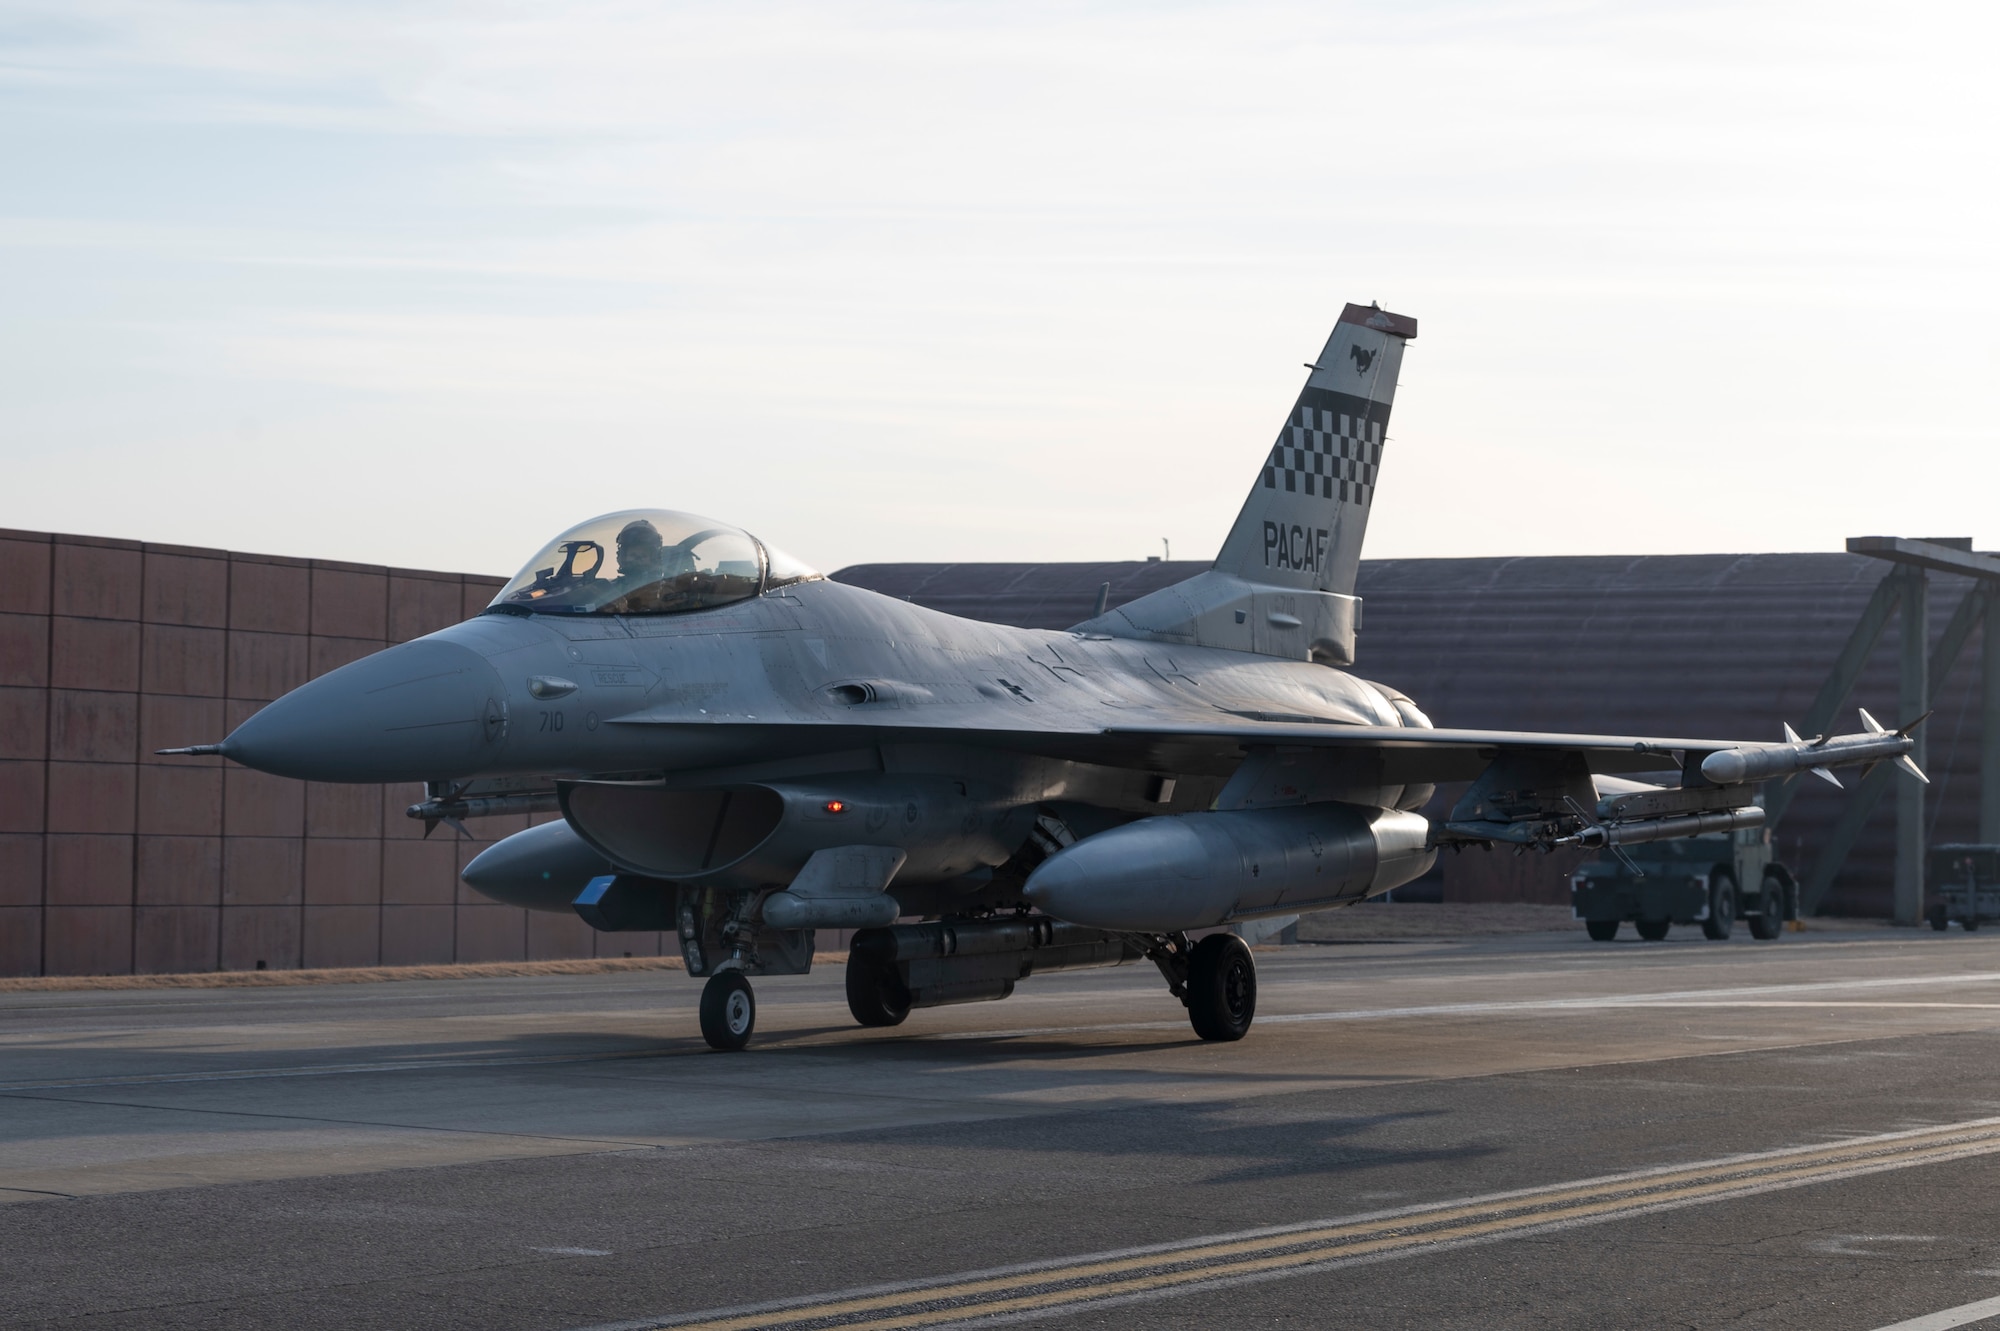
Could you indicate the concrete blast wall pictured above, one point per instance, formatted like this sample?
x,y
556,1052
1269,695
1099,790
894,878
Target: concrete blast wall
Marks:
x,y
114,861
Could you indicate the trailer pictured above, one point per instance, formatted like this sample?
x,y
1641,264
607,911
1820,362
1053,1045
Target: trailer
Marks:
x,y
1964,885
1712,881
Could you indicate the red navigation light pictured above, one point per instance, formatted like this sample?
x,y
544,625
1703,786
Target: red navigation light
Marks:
x,y
835,806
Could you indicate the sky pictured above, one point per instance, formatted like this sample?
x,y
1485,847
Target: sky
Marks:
x,y
425,283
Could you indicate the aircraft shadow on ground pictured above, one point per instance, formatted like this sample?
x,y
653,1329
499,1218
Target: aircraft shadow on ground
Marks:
x,y
1212,1145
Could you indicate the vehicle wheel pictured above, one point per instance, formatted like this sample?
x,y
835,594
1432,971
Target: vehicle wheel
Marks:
x,y
1721,906
1971,922
1221,988
876,994
1652,930
728,1011
1938,917
1602,931
1769,921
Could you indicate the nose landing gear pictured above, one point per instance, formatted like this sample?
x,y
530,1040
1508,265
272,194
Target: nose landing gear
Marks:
x,y
1216,978
1221,988
728,1011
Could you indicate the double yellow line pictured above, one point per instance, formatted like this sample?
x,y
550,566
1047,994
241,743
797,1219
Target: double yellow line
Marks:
x,y
1051,1288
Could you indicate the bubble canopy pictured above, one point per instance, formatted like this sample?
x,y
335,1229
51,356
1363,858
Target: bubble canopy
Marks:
x,y
647,561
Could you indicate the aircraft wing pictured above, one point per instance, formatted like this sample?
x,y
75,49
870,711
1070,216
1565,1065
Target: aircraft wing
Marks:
x,y
1412,755
1214,744
1217,743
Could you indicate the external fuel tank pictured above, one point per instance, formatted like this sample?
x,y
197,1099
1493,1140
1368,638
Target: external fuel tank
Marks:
x,y
1194,870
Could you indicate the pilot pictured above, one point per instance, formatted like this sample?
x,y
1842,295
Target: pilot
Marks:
x,y
645,563
641,553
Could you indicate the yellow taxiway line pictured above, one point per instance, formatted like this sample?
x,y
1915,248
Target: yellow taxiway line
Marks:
x,y
1051,1288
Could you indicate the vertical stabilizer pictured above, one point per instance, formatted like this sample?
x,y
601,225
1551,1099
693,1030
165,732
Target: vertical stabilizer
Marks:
x,y
1303,523
1284,582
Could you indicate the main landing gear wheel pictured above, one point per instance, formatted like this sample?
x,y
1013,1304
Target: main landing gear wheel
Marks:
x,y
1721,906
876,994
1602,931
1652,930
1221,988
728,1011
1769,921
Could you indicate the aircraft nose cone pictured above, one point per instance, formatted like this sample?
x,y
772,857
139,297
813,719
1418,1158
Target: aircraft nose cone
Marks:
x,y
428,710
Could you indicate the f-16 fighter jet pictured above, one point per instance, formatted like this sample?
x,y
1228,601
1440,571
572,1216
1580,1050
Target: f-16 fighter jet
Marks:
x,y
744,752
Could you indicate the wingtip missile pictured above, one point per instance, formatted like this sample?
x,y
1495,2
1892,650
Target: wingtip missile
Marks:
x,y
1763,762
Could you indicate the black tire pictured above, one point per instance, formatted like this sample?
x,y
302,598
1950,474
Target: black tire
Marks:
x,y
1939,917
1221,988
1769,921
728,1011
876,994
1721,905
1652,930
1602,931
1971,922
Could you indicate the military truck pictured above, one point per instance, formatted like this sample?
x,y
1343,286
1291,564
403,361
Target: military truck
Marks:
x,y
1710,880
1964,885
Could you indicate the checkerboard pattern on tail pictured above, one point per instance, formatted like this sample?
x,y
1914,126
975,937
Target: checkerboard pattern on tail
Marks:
x,y
1327,453
1302,524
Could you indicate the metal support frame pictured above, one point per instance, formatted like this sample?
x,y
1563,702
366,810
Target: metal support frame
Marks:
x,y
1840,682
1989,722
1914,699
1833,855
1922,673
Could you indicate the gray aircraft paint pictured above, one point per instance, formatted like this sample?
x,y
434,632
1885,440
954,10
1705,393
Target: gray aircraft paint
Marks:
x,y
1137,772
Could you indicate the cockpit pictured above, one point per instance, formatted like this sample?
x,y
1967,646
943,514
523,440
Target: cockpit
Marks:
x,y
647,561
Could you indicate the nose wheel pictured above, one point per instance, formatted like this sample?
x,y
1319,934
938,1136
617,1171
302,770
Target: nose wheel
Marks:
x,y
728,1011
1221,988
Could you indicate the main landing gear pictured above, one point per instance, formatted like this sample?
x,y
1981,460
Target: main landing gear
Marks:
x,y
728,1011
1216,978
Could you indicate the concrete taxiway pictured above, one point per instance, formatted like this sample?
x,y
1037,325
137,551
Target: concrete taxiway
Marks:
x,y
1512,1131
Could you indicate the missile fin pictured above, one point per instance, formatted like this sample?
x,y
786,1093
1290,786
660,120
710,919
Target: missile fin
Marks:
x,y
1868,722
1825,775
1791,735
1914,724
1909,764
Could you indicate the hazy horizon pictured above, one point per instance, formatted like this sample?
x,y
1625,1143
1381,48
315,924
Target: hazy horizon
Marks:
x,y
423,284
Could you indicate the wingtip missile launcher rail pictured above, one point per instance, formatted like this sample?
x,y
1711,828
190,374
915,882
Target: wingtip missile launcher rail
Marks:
x,y
1546,801
1764,762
